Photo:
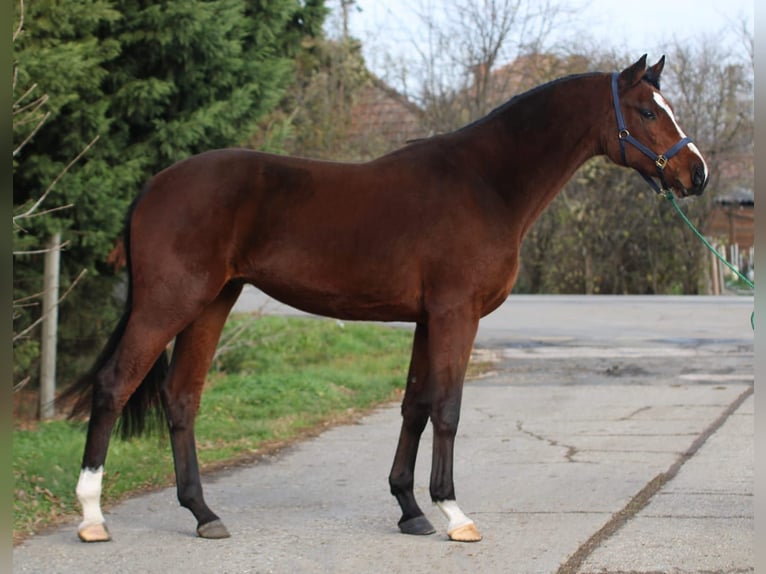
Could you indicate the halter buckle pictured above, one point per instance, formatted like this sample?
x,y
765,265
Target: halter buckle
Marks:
x,y
623,134
661,161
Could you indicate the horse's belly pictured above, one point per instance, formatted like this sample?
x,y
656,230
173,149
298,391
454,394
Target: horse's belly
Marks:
x,y
347,294
348,306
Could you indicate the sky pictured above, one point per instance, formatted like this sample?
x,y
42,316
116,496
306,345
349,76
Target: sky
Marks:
x,y
388,28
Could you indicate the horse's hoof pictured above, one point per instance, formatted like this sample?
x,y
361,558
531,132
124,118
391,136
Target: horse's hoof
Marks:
x,y
212,530
418,525
94,533
465,533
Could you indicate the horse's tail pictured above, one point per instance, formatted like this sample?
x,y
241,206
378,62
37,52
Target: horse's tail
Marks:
x,y
143,411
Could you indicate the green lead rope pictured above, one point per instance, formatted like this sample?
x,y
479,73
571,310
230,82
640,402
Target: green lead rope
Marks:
x,y
672,199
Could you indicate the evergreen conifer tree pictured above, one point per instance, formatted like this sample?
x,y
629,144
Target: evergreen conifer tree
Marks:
x,y
157,82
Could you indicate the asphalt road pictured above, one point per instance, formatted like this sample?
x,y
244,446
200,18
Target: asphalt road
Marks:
x,y
614,435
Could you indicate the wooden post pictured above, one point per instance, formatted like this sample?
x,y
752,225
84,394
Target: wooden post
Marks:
x,y
715,285
49,326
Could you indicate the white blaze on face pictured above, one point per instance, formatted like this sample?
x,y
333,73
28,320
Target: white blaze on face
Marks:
x,y
89,494
663,104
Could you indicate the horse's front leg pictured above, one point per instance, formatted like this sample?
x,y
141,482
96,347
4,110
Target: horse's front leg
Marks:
x,y
416,407
450,342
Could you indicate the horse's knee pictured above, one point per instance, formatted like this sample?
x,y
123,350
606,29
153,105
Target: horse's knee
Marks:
x,y
445,427
415,417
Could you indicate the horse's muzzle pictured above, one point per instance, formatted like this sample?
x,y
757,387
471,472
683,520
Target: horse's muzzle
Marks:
x,y
699,179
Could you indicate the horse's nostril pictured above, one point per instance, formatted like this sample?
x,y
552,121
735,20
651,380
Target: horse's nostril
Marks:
x,y
698,177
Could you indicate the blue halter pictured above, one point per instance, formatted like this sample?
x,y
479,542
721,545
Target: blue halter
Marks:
x,y
660,160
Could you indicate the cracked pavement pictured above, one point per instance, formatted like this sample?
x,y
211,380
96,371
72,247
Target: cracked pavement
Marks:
x,y
614,436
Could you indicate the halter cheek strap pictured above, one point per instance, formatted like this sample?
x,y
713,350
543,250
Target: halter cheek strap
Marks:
x,y
660,160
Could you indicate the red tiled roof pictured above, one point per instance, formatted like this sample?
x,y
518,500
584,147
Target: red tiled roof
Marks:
x,y
382,119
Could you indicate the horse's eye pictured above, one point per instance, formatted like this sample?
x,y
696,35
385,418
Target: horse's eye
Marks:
x,y
648,114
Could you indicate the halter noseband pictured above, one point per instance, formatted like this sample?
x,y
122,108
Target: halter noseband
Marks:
x,y
660,160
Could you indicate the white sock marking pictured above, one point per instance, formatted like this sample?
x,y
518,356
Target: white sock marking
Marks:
x,y
454,514
89,494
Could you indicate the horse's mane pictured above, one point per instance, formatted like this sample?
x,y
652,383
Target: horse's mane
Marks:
x,y
519,98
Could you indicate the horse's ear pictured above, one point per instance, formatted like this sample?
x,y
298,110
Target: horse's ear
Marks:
x,y
631,75
653,74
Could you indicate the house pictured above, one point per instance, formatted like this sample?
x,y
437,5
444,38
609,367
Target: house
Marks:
x,y
733,220
382,120
731,227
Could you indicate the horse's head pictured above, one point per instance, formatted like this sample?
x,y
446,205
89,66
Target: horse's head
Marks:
x,y
647,136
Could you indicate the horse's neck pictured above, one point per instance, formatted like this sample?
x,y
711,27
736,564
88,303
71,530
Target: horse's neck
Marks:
x,y
530,149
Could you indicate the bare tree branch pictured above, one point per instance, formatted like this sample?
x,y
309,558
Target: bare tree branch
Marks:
x,y
18,302
21,384
41,251
44,212
462,49
19,335
29,110
39,101
18,29
36,205
31,134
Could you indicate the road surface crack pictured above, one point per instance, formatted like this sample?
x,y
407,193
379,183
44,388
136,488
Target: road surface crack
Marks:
x,y
634,413
570,453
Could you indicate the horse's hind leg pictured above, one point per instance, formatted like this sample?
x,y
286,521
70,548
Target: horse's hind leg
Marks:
x,y
114,383
415,410
192,354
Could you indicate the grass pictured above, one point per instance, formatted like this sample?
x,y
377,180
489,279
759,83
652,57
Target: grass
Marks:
x,y
276,379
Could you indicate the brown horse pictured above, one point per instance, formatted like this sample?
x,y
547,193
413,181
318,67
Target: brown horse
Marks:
x,y
430,234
